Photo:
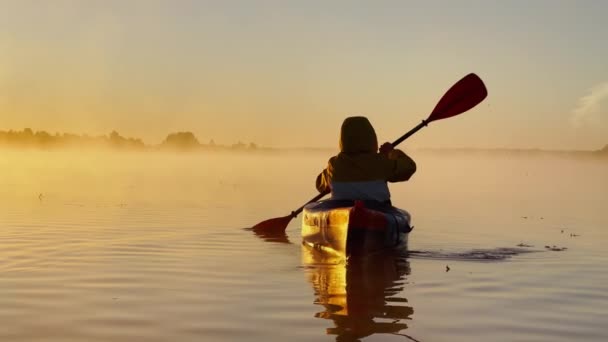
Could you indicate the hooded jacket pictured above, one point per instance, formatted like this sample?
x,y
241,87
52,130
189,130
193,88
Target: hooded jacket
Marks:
x,y
359,171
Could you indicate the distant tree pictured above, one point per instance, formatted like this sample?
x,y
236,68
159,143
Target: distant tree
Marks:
x,y
253,146
239,146
604,150
136,142
116,140
181,140
70,138
44,139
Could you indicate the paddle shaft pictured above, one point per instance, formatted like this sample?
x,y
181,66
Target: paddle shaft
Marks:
x,y
411,132
314,199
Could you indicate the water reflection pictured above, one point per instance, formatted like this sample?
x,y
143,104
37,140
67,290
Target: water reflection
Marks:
x,y
361,297
271,236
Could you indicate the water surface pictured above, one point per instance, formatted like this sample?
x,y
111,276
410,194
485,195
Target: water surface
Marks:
x,y
151,247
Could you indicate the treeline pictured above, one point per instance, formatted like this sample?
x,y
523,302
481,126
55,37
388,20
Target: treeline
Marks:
x,y
183,141
603,153
188,141
43,139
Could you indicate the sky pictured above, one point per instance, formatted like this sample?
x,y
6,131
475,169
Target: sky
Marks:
x,y
286,73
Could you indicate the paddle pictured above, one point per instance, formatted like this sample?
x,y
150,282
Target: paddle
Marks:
x,y
462,96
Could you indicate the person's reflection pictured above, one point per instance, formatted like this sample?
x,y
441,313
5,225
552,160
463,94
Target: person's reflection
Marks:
x,y
361,296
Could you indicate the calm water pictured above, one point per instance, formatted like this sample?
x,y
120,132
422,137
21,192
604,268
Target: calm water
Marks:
x,y
151,247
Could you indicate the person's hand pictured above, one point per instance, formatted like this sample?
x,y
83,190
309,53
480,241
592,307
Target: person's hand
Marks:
x,y
386,148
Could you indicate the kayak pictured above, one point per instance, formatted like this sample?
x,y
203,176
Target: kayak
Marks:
x,y
350,228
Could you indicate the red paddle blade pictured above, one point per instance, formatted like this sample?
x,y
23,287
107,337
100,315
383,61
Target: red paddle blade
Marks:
x,y
278,224
462,96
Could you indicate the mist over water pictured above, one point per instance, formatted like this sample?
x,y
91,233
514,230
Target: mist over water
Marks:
x,y
98,246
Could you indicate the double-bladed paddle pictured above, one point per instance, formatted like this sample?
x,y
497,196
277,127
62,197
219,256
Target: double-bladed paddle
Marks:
x,y
462,96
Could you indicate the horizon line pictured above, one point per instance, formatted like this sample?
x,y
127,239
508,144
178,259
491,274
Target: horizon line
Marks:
x,y
212,143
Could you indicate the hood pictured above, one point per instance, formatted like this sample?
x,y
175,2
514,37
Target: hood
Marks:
x,y
358,136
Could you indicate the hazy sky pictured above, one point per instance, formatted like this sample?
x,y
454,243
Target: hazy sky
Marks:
x,y
286,73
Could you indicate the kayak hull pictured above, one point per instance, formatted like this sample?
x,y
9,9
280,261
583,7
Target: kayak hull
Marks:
x,y
350,228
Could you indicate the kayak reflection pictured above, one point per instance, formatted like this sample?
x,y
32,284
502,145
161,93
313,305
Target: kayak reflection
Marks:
x,y
360,296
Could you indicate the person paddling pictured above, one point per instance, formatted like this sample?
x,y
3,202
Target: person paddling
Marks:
x,y
359,171
392,166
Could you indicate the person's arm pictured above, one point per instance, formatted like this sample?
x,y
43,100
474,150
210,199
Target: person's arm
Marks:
x,y
399,166
322,182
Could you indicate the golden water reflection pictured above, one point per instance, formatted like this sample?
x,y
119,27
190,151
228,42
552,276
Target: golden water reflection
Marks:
x,y
361,297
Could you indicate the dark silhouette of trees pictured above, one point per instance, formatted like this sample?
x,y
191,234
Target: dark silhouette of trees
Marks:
x,y
118,141
239,146
42,139
181,141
